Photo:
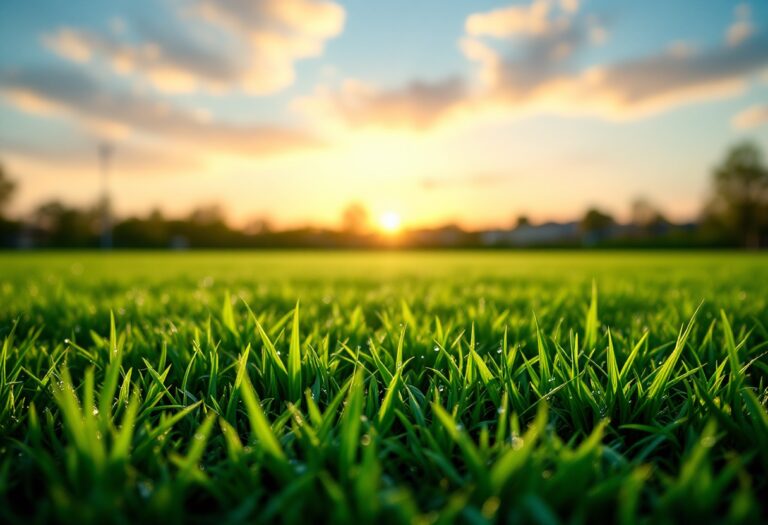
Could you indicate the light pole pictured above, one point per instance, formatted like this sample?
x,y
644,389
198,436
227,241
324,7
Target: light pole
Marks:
x,y
105,155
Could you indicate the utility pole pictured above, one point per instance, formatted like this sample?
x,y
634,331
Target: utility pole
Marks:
x,y
105,155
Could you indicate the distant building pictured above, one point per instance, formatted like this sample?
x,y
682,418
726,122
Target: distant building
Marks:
x,y
445,236
179,242
548,233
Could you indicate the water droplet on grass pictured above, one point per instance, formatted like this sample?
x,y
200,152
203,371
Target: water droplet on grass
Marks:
x,y
145,489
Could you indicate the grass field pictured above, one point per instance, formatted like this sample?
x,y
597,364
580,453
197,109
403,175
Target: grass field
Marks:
x,y
384,387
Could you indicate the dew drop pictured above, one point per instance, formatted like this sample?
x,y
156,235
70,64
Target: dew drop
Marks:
x,y
145,489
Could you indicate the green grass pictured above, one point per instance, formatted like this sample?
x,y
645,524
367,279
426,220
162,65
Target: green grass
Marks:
x,y
384,387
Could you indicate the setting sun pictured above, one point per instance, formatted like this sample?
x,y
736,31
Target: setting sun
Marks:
x,y
389,222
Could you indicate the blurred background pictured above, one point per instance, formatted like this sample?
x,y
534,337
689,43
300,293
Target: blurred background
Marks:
x,y
340,124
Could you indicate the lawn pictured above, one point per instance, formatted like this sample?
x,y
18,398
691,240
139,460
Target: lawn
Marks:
x,y
313,387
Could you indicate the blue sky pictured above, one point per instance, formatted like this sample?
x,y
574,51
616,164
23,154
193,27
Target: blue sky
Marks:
x,y
465,111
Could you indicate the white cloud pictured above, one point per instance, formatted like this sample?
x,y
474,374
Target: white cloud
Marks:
x,y
113,112
752,117
741,28
70,44
279,33
571,6
530,19
254,47
530,61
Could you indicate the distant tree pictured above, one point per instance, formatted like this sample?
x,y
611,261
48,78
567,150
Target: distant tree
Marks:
x,y
646,217
354,219
522,220
209,214
149,232
156,216
595,226
206,227
7,188
9,229
258,226
596,221
62,225
740,199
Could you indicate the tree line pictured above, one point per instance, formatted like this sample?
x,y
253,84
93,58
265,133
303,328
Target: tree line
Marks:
x,y
735,214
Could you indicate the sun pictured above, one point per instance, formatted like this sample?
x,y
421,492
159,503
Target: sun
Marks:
x,y
389,222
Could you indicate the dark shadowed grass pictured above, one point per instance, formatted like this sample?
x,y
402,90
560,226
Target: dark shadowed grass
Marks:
x,y
384,387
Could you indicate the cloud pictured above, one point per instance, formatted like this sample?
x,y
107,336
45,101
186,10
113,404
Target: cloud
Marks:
x,y
752,117
71,91
741,28
535,62
81,154
217,46
660,81
570,6
545,71
536,58
417,105
278,32
532,19
169,61
71,44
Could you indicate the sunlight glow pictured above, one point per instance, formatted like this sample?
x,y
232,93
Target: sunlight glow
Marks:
x,y
389,222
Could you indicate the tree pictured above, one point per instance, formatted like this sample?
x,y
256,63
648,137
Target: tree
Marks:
x,y
7,188
67,226
646,217
149,232
595,225
354,219
207,215
259,226
522,221
741,193
596,221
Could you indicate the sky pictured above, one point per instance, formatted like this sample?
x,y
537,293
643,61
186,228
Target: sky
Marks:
x,y
464,111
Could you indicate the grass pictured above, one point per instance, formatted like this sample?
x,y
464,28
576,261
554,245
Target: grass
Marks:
x,y
383,387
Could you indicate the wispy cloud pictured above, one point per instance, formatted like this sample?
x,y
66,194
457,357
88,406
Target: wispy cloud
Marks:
x,y
417,105
532,19
216,46
71,91
752,117
742,27
170,62
536,57
79,153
